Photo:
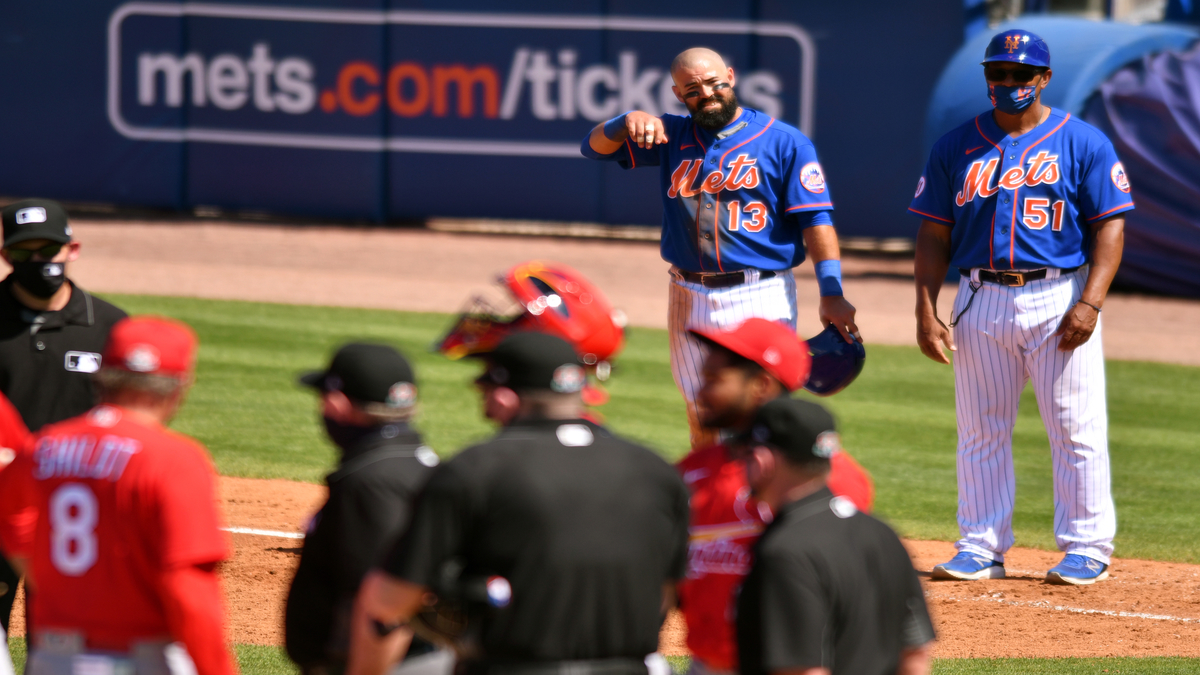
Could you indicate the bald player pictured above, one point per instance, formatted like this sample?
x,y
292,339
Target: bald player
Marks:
x,y
743,198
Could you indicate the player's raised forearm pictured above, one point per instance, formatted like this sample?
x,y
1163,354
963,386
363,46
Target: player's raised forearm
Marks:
x,y
642,128
930,265
193,602
603,144
1108,243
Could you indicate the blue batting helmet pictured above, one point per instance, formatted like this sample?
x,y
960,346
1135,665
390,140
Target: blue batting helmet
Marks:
x,y
1018,46
835,362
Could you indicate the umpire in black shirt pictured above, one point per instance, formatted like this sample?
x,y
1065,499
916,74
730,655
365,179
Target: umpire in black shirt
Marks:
x,y
52,332
581,535
368,395
832,590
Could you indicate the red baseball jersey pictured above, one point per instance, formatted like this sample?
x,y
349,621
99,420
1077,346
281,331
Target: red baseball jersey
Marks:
x,y
13,432
118,501
725,523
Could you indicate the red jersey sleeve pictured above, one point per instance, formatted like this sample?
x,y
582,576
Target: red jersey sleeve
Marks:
x,y
848,479
18,510
14,435
188,520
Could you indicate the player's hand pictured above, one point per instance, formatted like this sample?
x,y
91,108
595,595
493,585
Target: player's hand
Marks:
x,y
645,129
933,337
837,311
1076,327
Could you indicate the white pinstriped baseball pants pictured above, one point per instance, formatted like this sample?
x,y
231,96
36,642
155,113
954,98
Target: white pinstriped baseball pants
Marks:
x,y
1005,339
694,306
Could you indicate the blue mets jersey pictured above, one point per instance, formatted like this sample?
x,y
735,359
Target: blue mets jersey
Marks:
x,y
1024,202
735,199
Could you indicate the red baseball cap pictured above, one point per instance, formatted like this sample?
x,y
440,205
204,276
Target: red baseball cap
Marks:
x,y
771,345
153,345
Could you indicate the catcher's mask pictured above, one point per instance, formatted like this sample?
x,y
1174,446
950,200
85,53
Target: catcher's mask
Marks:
x,y
835,362
551,298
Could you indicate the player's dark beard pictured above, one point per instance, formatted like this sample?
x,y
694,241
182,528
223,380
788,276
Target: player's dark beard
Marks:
x,y
715,120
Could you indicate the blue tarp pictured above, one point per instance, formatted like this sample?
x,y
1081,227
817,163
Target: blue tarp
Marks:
x,y
1151,111
1138,85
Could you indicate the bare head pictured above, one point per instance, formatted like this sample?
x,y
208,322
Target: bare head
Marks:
x,y
705,84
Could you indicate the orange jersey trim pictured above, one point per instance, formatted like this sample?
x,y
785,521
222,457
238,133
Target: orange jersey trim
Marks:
x,y
632,161
980,130
717,204
1115,208
991,242
808,206
930,215
1012,231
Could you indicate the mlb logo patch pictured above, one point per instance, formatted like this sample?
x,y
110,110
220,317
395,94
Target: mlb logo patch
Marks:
x,y
82,362
33,214
812,179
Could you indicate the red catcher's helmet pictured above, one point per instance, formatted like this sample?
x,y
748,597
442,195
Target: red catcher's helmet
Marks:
x,y
556,299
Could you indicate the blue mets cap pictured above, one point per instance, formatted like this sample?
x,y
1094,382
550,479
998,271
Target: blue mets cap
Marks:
x,y
1018,46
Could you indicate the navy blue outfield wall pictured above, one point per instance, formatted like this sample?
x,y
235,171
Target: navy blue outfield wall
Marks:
x,y
405,110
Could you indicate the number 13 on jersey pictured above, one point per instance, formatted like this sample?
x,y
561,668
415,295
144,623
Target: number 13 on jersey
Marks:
x,y
757,212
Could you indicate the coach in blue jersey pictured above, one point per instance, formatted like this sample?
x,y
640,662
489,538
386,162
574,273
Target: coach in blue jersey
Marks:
x,y
741,192
1027,201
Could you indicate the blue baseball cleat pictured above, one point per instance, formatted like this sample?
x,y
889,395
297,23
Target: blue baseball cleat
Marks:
x,y
968,567
1077,570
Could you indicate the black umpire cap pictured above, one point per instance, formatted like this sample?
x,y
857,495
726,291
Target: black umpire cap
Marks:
x,y
532,360
35,219
801,431
368,373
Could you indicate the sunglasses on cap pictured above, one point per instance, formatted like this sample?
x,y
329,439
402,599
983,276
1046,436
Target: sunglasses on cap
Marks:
x,y
1019,75
24,254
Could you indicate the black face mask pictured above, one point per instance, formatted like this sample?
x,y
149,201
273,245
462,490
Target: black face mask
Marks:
x,y
41,279
345,436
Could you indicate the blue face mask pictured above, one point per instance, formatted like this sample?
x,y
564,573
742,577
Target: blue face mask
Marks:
x,y
1012,100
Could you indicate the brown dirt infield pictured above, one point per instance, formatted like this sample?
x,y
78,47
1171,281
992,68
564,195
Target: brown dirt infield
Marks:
x,y
1017,616
1147,608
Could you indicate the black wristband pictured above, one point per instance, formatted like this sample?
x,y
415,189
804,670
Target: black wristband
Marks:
x,y
1090,305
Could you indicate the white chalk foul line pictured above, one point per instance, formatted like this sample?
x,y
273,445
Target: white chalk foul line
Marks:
x,y
263,533
1042,604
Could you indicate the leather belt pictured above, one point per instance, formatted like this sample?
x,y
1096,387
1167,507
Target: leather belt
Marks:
x,y
1005,278
722,280
595,667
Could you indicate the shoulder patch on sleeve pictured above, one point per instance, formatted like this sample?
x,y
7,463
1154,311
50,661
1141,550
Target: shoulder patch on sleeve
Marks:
x,y
1119,178
920,187
812,178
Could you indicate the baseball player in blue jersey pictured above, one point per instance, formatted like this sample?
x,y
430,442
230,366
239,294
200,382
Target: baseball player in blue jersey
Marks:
x,y
1027,202
741,191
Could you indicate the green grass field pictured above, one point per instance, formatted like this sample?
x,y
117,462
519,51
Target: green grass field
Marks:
x,y
260,660
897,419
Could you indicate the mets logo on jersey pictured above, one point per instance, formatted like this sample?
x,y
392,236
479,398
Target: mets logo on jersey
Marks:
x,y
1119,178
920,187
811,178
978,181
742,174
